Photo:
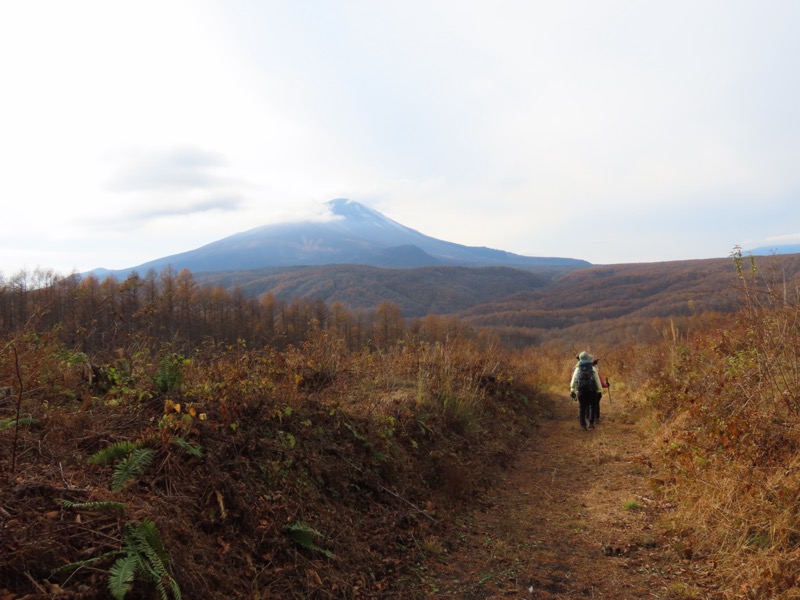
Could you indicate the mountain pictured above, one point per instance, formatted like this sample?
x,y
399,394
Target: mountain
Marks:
x,y
417,292
355,234
768,250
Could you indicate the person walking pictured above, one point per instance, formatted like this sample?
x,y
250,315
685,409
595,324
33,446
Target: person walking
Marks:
x,y
586,387
605,385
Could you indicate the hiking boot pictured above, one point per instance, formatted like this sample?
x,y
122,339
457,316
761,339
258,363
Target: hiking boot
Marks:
x,y
591,425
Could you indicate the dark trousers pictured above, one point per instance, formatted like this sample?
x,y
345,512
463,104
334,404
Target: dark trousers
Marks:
x,y
588,408
594,410
584,407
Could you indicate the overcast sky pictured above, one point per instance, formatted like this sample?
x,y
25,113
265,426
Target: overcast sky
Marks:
x,y
611,131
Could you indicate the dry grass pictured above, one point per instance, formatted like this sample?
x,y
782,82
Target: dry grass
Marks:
x,y
373,449
744,522
730,443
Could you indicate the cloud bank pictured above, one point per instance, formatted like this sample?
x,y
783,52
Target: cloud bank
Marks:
x,y
674,125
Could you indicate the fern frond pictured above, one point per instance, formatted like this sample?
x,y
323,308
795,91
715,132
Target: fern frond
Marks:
x,y
306,536
83,563
302,535
144,541
121,576
144,557
99,505
152,564
113,453
176,590
194,450
147,533
12,422
131,466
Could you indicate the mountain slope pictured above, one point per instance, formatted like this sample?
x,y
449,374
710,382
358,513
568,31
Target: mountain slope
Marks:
x,y
612,303
417,292
354,234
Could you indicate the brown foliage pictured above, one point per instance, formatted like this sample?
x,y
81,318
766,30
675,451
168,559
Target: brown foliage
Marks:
x,y
729,399
619,304
417,292
373,450
99,318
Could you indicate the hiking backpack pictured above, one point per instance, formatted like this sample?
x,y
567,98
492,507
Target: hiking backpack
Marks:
x,y
587,386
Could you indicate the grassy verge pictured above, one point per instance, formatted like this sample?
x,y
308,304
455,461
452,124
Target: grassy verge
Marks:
x,y
730,443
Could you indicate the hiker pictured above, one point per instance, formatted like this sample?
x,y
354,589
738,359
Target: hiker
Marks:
x,y
604,384
594,408
586,387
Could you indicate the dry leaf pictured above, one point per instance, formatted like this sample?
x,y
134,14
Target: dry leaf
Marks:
x,y
314,576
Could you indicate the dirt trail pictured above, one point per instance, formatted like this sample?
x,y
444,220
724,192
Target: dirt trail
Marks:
x,y
572,519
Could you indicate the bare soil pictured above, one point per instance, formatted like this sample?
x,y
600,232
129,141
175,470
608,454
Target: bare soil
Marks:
x,y
574,518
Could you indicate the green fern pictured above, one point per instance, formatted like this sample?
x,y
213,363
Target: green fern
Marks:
x,y
98,505
131,466
147,538
194,450
122,575
143,557
144,542
306,536
133,460
113,453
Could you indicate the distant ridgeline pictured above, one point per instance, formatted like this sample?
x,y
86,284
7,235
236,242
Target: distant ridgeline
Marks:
x,y
769,250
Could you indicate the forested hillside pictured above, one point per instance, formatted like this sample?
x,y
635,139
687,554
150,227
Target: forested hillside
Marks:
x,y
609,304
170,307
162,437
614,304
416,292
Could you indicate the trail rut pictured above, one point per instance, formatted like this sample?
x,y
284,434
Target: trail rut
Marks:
x,y
573,518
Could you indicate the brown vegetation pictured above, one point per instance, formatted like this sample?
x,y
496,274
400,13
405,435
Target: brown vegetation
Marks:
x,y
98,317
617,303
292,448
608,304
139,458
729,402
416,292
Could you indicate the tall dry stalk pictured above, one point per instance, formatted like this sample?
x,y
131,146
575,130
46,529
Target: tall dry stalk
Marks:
x,y
18,411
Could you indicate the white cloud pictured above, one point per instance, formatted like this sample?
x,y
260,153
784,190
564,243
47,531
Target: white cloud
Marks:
x,y
177,123
788,238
